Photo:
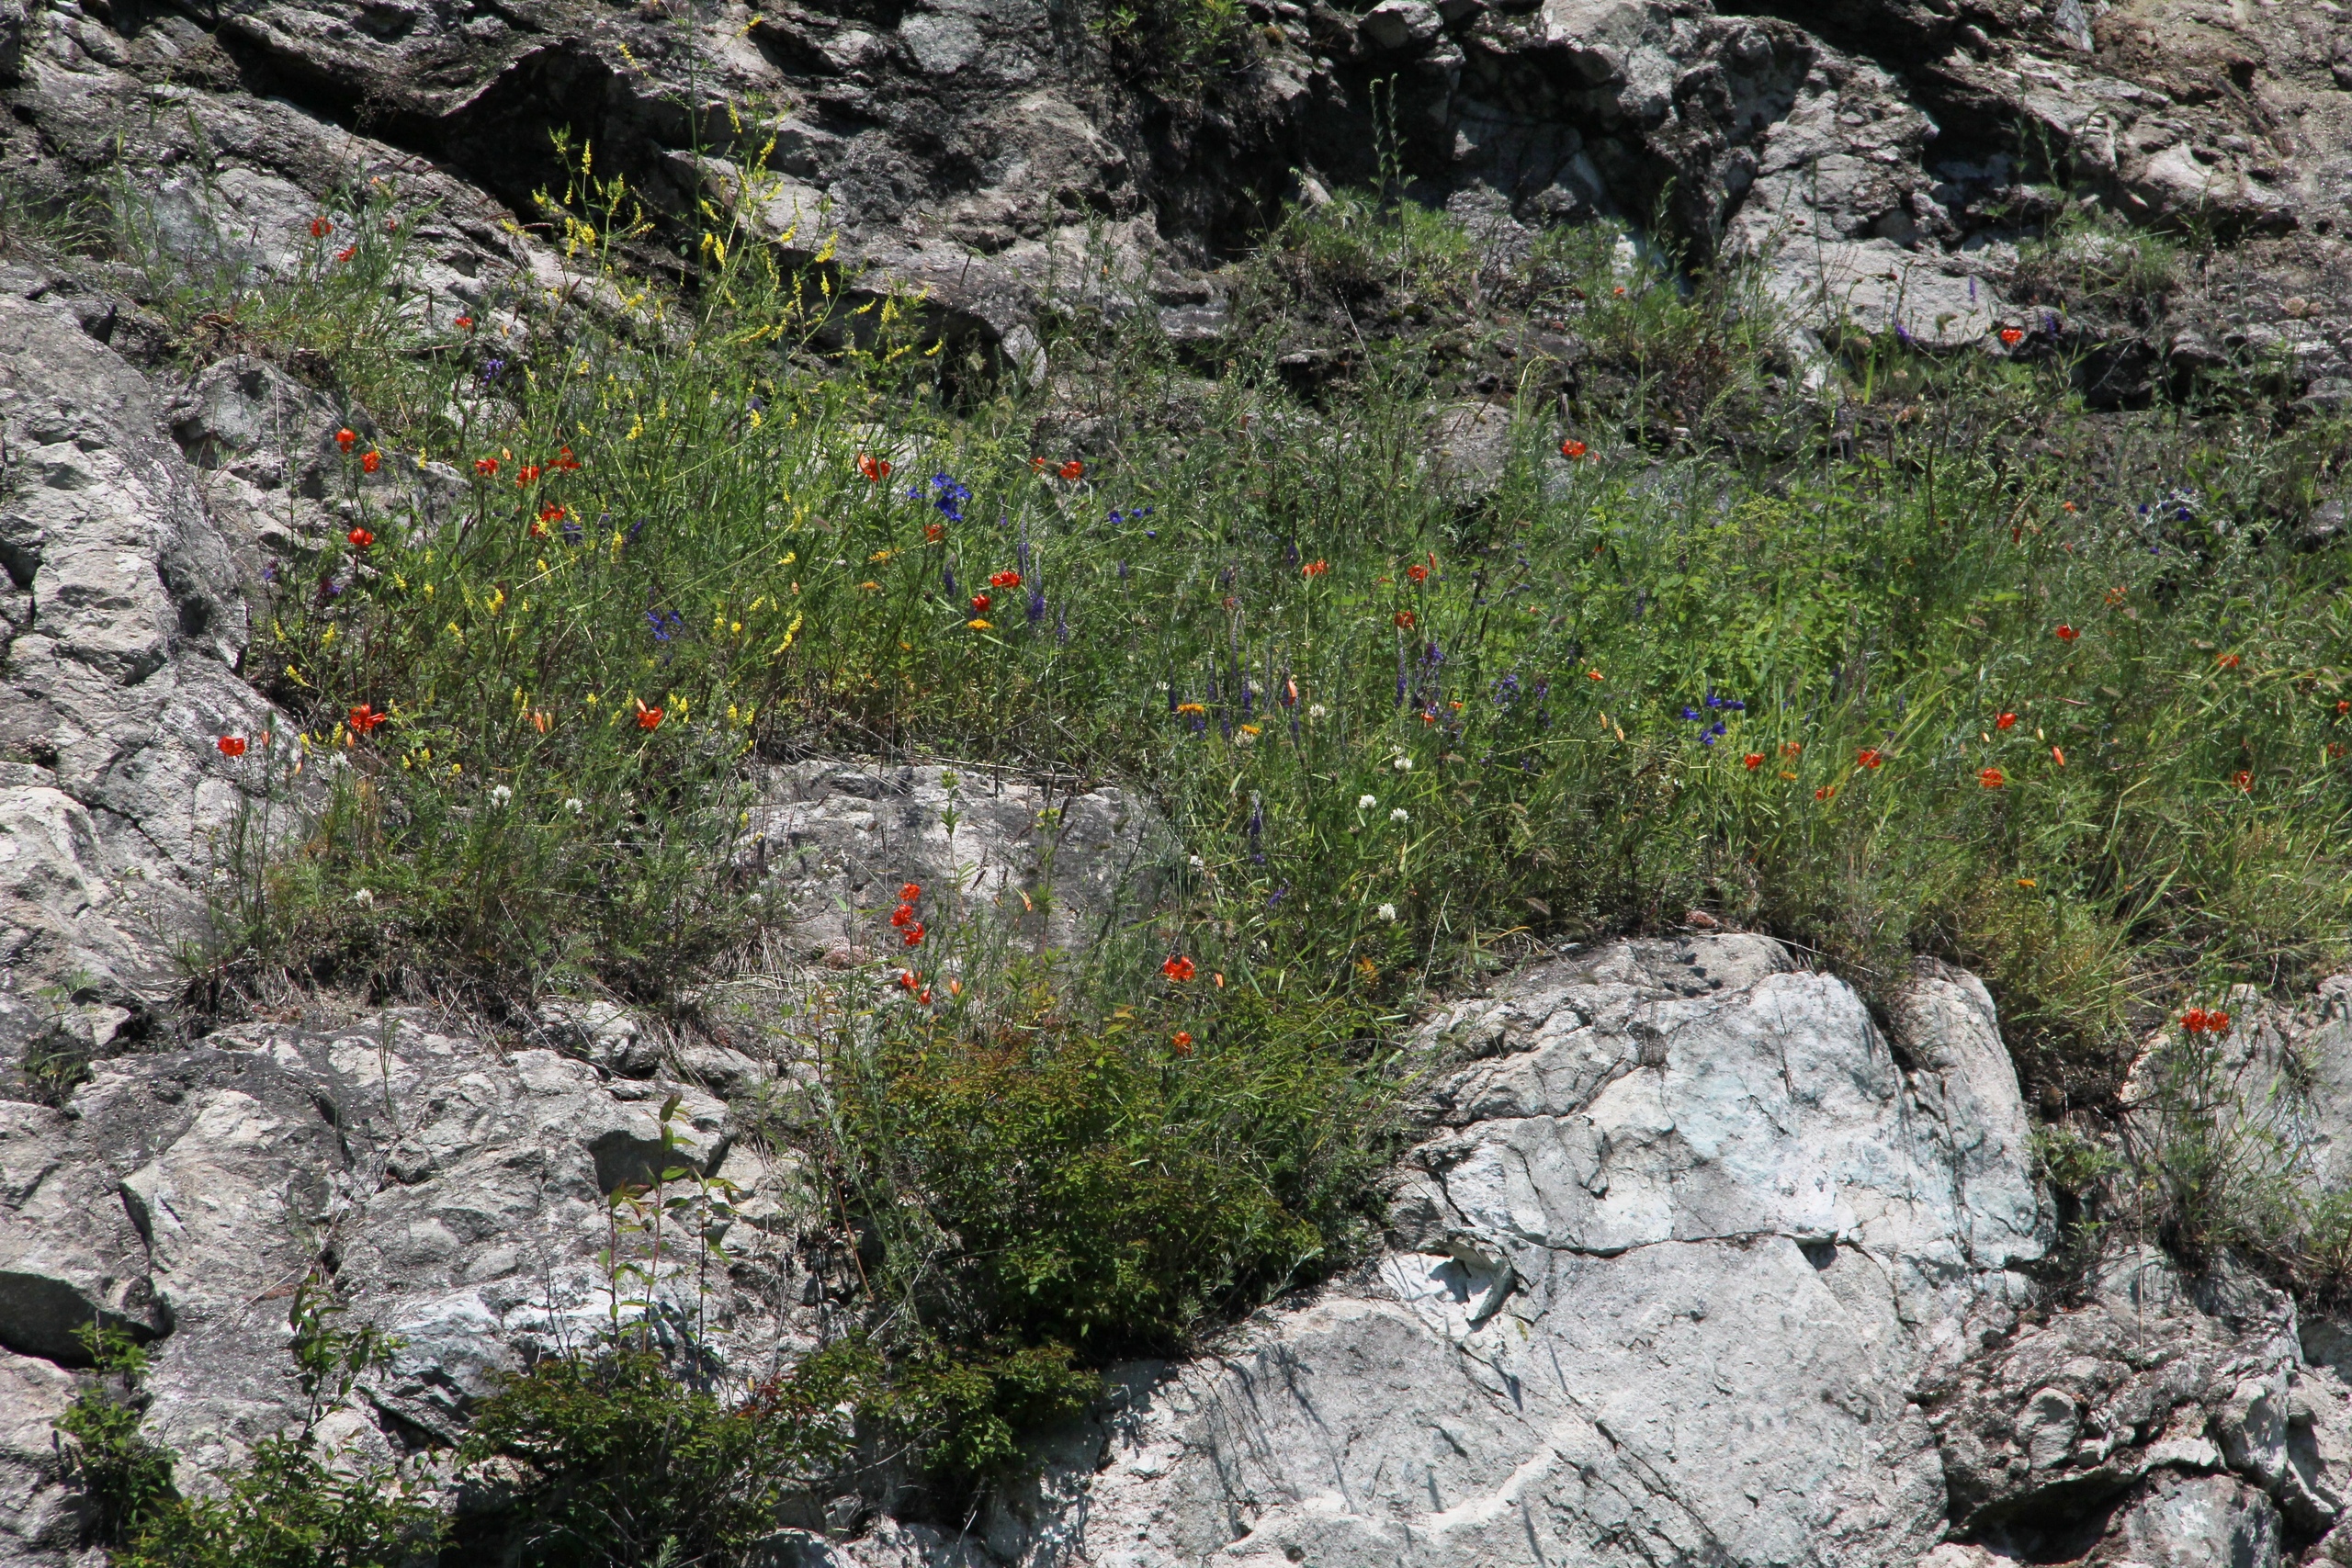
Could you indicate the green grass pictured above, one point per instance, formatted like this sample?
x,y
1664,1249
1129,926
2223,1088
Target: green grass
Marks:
x,y
1949,667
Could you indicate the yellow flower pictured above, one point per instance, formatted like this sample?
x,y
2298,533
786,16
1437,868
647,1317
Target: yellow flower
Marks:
x,y
881,555
871,586
978,626
1190,707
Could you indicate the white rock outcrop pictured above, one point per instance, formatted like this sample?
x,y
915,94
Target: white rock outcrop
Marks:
x,y
1683,1238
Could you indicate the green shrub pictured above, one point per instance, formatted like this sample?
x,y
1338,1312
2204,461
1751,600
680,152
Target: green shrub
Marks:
x,y
624,1460
289,1505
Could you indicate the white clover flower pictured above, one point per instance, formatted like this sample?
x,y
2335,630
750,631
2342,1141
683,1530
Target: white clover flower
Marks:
x,y
1366,802
1388,912
500,794
1401,816
574,805
1196,861
1404,764
364,898
1317,710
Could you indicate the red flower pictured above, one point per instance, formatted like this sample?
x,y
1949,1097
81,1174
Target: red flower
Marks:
x,y
909,892
981,604
465,323
346,438
321,228
1004,580
2344,706
2058,756
2011,337
1992,778
903,915
1037,464
1418,572
551,515
364,718
1404,619
2219,1022
2227,661
914,934
1072,470
1314,569
1752,761
232,745
1594,675
564,459
527,474
1179,968
345,253
360,538
934,532
2005,721
486,466
1826,792
2066,634
876,469
1790,747
647,718
1182,1042
2244,780
907,979
2193,1020
370,462
1572,450
1869,757
2197,1021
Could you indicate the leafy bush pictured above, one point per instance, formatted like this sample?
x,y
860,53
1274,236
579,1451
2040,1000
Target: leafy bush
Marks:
x,y
623,1461
289,1505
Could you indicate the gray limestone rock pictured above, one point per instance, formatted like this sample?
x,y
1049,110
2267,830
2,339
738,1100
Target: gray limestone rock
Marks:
x,y
125,625
450,1194
835,841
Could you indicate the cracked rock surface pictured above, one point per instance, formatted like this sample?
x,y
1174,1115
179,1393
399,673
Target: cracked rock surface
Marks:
x,y
457,1191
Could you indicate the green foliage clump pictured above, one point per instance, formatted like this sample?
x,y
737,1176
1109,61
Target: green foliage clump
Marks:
x,y
289,1505
623,1460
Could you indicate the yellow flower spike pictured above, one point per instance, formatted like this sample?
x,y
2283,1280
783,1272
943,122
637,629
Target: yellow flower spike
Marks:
x,y
327,638
428,591
735,628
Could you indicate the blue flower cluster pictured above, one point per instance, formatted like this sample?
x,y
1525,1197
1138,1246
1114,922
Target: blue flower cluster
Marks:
x,y
666,623
1713,732
1137,515
948,496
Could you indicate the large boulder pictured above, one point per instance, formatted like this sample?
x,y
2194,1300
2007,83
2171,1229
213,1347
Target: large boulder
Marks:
x,y
1682,1241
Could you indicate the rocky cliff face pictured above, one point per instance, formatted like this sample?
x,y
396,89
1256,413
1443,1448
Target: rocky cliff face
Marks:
x,y
1695,1261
